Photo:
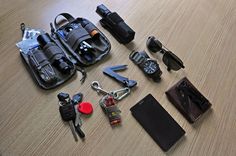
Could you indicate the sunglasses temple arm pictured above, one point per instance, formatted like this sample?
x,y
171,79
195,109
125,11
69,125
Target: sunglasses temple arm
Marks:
x,y
165,49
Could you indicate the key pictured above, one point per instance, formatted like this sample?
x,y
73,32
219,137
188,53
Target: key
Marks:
x,y
68,114
78,124
78,120
67,111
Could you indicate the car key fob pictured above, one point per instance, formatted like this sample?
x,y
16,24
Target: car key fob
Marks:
x,y
67,112
77,98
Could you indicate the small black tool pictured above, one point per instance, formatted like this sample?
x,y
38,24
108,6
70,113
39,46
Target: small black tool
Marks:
x,y
111,71
170,59
115,25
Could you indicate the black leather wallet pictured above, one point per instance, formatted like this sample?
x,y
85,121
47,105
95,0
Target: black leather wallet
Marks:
x,y
157,122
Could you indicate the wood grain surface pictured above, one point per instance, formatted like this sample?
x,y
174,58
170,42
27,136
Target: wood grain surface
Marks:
x,y
201,32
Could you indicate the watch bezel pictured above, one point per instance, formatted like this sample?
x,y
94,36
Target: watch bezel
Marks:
x,y
150,60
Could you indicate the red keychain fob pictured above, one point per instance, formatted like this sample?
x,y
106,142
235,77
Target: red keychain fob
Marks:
x,y
85,108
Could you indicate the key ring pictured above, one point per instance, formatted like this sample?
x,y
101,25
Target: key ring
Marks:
x,y
59,103
120,93
117,94
98,88
95,85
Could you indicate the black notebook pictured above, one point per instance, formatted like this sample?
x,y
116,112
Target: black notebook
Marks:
x,y
157,122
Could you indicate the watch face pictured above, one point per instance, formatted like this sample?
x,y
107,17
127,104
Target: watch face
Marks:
x,y
150,67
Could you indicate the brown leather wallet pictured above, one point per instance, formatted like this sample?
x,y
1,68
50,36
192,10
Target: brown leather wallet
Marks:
x,y
188,100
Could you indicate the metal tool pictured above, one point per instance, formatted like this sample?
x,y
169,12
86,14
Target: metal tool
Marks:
x,y
111,71
117,94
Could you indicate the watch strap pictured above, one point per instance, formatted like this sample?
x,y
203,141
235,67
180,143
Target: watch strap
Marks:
x,y
143,53
156,77
138,57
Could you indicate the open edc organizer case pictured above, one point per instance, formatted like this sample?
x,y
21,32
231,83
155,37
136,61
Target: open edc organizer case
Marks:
x,y
79,34
57,77
79,43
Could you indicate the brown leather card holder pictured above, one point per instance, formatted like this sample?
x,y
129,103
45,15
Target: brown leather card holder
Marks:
x,y
188,100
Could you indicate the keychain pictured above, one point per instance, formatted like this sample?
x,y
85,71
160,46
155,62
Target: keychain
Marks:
x,y
108,102
83,107
117,94
71,111
110,108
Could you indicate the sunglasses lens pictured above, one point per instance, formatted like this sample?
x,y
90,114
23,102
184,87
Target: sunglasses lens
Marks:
x,y
153,44
172,61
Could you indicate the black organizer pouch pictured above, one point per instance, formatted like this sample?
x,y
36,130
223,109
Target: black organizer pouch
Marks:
x,y
81,33
38,59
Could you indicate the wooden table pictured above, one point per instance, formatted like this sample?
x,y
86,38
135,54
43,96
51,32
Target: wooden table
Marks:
x,y
202,33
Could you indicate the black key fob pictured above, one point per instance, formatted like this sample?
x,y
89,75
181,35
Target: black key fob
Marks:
x,y
67,112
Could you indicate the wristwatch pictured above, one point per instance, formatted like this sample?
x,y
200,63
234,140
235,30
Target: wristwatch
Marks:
x,y
149,66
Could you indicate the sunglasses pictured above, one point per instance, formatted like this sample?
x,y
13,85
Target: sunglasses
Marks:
x,y
172,61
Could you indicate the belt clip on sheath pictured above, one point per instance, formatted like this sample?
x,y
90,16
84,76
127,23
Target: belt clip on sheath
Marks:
x,y
115,25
